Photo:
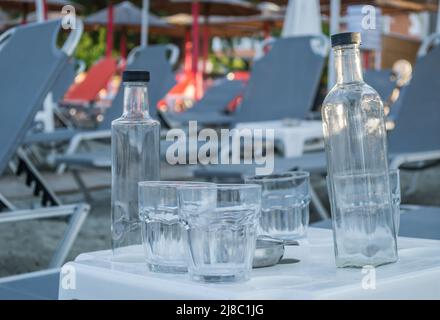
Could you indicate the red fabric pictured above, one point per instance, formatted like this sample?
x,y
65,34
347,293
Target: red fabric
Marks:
x,y
45,10
198,92
96,79
187,64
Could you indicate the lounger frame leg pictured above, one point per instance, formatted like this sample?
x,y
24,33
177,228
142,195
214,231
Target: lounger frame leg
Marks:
x,y
5,204
33,177
74,226
77,214
82,186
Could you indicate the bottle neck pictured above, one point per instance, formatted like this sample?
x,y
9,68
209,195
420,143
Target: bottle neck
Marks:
x,y
136,103
348,64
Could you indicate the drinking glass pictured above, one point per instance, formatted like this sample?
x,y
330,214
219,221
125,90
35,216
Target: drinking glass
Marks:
x,y
221,224
162,234
285,204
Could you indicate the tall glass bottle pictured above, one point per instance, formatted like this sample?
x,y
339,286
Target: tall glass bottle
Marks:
x,y
135,158
356,148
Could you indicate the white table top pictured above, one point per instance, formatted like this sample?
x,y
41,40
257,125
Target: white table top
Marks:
x,y
292,133
415,276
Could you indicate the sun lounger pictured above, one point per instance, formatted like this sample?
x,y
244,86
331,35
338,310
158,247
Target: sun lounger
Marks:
x,y
382,81
31,62
419,222
283,84
414,139
215,101
86,92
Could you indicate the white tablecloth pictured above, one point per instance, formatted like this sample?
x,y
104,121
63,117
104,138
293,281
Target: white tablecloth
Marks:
x,y
415,276
292,134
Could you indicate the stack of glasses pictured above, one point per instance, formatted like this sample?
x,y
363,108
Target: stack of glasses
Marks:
x,y
211,230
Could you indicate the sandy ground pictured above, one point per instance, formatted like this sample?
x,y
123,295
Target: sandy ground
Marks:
x,y
27,246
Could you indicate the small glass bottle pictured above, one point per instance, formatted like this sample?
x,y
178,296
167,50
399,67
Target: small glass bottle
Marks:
x,y
135,158
357,165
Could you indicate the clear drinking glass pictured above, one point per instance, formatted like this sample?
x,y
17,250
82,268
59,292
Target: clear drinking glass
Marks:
x,y
162,233
285,204
221,226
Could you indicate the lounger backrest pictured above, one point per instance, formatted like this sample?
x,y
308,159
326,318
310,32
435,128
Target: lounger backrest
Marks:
x,y
284,83
218,97
30,63
96,79
153,59
382,81
64,81
418,124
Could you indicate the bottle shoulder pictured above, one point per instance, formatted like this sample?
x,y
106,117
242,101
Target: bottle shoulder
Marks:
x,y
349,94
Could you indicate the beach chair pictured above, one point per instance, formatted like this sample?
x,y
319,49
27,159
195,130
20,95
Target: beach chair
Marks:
x,y
153,58
283,84
415,222
158,60
382,81
216,100
31,62
86,92
414,143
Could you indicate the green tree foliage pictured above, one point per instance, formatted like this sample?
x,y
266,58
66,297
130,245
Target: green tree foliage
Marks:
x,y
92,46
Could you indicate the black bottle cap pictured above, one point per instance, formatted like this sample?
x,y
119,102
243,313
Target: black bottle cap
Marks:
x,y
346,38
136,76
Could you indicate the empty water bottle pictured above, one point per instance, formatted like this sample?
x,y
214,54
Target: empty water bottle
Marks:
x,y
135,158
356,148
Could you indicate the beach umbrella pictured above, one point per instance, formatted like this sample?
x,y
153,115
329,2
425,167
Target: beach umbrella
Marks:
x,y
125,15
40,6
204,8
224,27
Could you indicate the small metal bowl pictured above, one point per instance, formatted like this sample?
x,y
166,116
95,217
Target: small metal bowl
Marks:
x,y
269,252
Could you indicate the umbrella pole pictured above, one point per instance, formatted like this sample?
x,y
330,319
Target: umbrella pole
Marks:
x,y
188,53
266,31
144,31
109,47
206,37
45,10
41,9
196,37
25,13
438,18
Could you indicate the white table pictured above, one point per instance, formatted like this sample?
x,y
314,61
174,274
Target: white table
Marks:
x,y
293,134
415,276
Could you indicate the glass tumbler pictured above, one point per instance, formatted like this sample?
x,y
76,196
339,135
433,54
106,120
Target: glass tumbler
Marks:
x,y
221,226
285,204
162,234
